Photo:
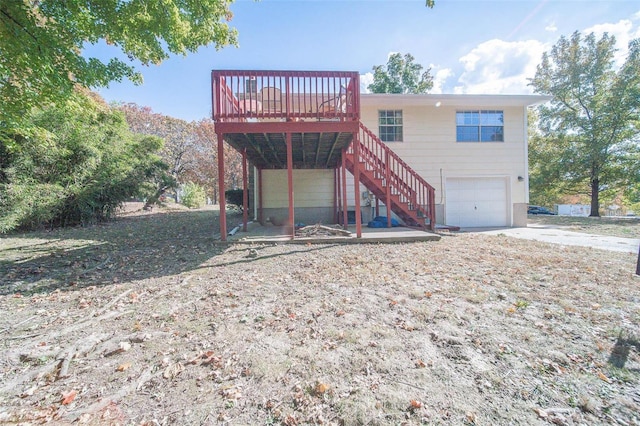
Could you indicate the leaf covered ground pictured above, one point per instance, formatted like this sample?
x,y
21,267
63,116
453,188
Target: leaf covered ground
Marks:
x,y
148,321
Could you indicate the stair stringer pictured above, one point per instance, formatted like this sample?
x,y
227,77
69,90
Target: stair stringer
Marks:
x,y
408,195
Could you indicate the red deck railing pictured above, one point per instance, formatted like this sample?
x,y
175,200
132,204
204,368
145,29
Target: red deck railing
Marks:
x,y
288,95
400,179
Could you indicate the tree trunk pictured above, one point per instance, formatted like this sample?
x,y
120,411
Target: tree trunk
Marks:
x,y
595,198
638,265
154,198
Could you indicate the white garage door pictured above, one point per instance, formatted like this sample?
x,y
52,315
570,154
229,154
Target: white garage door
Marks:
x,y
476,202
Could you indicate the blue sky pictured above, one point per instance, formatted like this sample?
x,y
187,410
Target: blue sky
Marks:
x,y
472,46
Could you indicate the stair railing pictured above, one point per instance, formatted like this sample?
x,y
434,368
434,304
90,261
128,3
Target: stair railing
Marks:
x,y
400,179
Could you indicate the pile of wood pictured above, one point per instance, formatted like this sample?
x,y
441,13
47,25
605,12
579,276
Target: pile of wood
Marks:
x,y
319,230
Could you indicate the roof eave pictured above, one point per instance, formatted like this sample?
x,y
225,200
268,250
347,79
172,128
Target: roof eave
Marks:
x,y
452,100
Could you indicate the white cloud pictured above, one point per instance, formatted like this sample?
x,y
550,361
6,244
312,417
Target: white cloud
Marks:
x,y
365,80
500,67
440,77
623,31
552,28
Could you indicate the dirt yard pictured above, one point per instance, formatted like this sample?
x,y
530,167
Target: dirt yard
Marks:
x,y
146,321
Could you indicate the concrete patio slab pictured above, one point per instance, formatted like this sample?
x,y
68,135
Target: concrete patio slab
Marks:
x,y
257,233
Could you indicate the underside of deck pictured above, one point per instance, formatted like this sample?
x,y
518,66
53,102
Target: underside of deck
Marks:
x,y
310,150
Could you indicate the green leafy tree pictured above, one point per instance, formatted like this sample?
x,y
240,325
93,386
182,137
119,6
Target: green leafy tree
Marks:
x,y
545,180
77,168
401,75
42,44
193,195
589,132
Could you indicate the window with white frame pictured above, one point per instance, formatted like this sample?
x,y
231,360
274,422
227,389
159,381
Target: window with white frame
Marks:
x,y
480,126
390,125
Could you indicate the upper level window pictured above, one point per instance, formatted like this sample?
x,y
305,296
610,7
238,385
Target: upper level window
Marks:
x,y
390,125
480,126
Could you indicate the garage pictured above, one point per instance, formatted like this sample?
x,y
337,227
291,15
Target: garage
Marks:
x,y
476,202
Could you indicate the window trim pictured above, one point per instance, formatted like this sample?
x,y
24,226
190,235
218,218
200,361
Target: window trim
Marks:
x,y
480,126
383,135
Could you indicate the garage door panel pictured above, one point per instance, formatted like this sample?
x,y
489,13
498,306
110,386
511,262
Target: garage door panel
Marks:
x,y
476,202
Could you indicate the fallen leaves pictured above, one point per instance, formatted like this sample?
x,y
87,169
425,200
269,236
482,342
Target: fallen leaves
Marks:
x,y
414,405
123,367
68,397
343,335
320,388
172,370
122,347
541,413
602,377
231,393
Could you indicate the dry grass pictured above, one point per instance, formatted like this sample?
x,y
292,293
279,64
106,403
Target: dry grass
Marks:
x,y
625,227
152,323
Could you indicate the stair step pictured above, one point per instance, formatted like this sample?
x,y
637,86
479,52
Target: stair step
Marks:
x,y
373,176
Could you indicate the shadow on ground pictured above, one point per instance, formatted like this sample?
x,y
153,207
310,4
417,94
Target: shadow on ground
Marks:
x,y
129,248
620,352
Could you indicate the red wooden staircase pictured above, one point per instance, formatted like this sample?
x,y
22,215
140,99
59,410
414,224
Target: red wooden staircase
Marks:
x,y
391,180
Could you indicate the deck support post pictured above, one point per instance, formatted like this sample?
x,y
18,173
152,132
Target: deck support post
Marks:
x,y
387,178
345,213
356,183
291,221
377,207
336,194
245,191
222,202
260,214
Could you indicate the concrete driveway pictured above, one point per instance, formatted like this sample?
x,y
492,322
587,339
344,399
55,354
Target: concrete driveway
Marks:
x,y
555,235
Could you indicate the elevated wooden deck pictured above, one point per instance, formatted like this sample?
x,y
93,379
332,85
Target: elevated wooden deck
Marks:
x,y
255,110
311,120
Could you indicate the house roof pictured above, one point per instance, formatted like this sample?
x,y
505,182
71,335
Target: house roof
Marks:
x,y
452,100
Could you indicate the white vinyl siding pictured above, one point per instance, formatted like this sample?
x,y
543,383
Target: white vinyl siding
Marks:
x,y
312,188
430,146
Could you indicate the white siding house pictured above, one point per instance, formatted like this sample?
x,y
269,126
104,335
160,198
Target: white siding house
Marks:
x,y
479,183
471,148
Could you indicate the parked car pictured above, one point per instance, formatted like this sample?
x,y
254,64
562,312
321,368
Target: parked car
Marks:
x,y
539,210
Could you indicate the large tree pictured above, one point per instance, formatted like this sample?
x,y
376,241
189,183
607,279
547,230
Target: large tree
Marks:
x,y
78,166
589,132
401,75
189,150
42,42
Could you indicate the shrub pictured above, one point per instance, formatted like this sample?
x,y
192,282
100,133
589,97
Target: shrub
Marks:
x,y
78,168
234,196
193,195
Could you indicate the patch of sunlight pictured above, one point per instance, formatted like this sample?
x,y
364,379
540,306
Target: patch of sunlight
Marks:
x,y
20,250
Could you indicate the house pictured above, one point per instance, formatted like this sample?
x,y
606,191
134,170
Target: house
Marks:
x,y
431,159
